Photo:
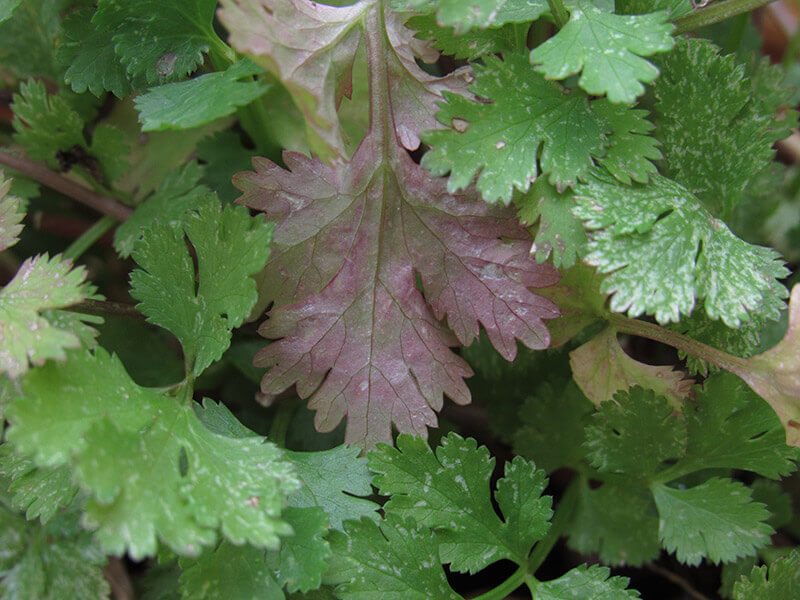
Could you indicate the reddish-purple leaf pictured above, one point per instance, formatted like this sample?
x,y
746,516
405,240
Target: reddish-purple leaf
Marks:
x,y
376,272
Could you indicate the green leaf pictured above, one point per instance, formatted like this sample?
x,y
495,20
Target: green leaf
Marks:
x,y
618,521
230,246
716,132
26,336
780,582
601,368
333,480
559,234
585,582
669,252
450,492
200,100
470,44
110,148
87,51
159,41
303,557
40,491
716,520
45,124
153,470
224,155
463,16
28,39
552,423
634,434
630,148
528,120
606,49
730,427
396,560
7,8
230,573
11,215
58,561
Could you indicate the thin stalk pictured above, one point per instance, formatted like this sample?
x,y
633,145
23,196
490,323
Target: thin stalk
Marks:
x,y
736,35
69,188
651,331
562,518
504,589
714,13
281,421
89,237
559,12
792,48
106,308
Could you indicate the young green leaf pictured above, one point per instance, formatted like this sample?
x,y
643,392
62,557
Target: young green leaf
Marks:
x,y
607,50
87,51
530,121
230,246
634,434
779,581
558,233
601,368
669,252
159,41
463,16
57,561
396,560
204,99
715,519
11,215
26,336
449,492
585,582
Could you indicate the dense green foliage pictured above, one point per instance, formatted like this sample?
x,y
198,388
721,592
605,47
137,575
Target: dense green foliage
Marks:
x,y
490,202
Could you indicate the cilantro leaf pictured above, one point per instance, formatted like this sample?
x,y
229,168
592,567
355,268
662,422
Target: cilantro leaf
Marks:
x,y
153,470
529,120
619,522
717,135
629,148
470,45
394,560
11,215
57,561
26,336
715,519
607,48
781,581
231,246
730,427
200,100
558,233
159,41
39,491
28,39
585,582
88,53
449,492
634,434
463,16
601,368
310,47
670,252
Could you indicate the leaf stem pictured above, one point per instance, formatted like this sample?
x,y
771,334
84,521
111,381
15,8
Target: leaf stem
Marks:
x,y
280,422
559,12
89,237
713,13
561,519
504,589
651,331
106,308
69,188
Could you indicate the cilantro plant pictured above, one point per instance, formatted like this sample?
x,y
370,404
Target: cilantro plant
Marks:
x,y
258,256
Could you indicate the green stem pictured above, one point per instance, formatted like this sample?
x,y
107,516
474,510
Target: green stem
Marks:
x,y
736,35
559,12
713,13
563,517
106,308
89,237
790,54
651,331
504,589
280,422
